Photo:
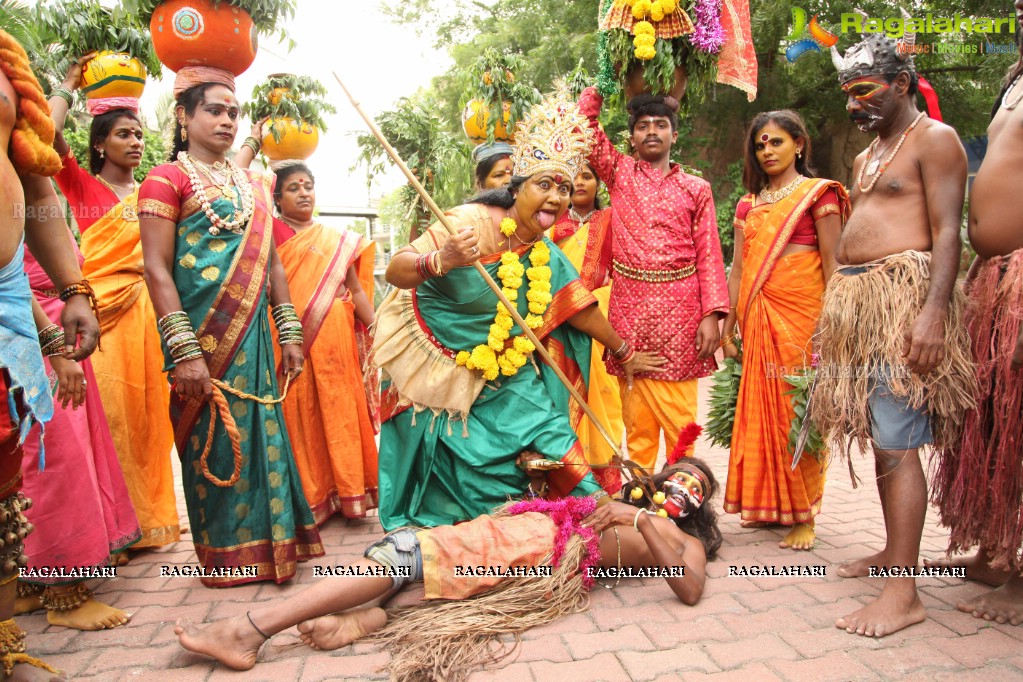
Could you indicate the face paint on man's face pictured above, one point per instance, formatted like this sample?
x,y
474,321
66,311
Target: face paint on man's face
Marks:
x,y
864,110
684,494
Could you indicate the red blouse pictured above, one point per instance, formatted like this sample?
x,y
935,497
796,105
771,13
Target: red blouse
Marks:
x,y
88,198
806,231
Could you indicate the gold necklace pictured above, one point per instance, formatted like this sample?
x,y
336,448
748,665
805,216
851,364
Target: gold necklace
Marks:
x,y
779,194
111,185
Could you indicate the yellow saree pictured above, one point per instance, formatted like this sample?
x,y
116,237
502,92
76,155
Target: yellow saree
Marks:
x,y
583,247
129,370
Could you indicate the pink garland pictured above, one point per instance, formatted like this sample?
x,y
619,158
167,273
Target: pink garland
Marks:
x,y
708,37
567,514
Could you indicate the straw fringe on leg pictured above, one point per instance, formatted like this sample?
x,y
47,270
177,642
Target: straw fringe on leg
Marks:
x,y
448,640
862,328
978,487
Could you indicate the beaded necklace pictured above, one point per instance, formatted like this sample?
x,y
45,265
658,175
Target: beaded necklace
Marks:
x,y
1018,96
242,216
883,165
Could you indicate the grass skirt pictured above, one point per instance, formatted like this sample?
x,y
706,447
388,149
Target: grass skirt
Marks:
x,y
862,329
979,487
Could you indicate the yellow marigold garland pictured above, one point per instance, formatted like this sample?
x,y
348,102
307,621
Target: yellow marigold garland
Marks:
x,y
497,356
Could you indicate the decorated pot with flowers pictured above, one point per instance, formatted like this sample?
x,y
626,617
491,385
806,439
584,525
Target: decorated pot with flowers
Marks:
x,y
293,107
663,47
476,122
493,98
198,33
113,74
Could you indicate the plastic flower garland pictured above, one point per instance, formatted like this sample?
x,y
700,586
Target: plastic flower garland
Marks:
x,y
496,356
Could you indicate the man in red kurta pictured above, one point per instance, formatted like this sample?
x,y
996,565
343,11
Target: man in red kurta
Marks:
x,y
669,290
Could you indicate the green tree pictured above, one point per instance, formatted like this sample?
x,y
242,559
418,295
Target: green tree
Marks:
x,y
555,36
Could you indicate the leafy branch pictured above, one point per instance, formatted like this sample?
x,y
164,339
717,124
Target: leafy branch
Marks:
x,y
491,79
303,102
72,28
724,396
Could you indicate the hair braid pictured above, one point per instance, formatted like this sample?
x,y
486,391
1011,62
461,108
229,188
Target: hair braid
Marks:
x,y
32,138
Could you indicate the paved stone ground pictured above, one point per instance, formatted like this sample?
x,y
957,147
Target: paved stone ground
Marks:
x,y
743,629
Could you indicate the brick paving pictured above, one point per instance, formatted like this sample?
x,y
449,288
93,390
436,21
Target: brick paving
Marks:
x,y
745,628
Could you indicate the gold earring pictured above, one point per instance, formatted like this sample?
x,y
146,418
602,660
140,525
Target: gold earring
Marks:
x,y
184,134
101,153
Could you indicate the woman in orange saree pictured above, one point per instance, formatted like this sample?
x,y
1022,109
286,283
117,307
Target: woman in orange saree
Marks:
x,y
584,234
332,413
786,230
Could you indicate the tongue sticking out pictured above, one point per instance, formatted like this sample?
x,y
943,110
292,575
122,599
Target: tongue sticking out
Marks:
x,y
546,219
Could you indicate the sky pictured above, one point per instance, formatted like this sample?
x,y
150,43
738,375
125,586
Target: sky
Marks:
x,y
378,61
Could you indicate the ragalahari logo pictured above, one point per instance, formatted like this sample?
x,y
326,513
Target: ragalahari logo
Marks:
x,y
807,37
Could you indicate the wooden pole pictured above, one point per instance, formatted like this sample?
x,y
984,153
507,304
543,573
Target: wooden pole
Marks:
x,y
435,209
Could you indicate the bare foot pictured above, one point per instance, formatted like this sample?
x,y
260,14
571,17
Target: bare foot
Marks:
x,y
120,558
861,567
336,631
28,604
1002,605
800,537
233,642
26,672
91,615
976,566
749,523
897,607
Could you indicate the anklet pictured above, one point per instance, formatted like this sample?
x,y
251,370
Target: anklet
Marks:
x,y
76,595
248,614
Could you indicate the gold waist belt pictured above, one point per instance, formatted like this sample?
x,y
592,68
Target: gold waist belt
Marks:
x,y
654,275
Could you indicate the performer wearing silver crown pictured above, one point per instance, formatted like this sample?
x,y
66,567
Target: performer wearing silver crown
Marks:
x,y
894,354
462,400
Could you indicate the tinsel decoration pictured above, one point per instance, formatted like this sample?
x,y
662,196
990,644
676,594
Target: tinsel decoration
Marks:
x,y
607,80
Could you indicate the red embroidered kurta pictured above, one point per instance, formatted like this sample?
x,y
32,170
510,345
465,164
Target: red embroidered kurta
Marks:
x,y
659,223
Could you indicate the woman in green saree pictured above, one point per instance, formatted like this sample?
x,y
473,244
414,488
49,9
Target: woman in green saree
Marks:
x,y
210,269
463,399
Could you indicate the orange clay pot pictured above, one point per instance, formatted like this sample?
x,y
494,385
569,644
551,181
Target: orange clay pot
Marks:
x,y
298,141
475,118
113,74
192,33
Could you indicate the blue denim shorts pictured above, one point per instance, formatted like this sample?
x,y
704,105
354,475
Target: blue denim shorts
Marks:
x,y
894,425
399,549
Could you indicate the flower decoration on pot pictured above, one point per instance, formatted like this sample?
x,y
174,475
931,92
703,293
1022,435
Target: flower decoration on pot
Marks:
x,y
294,108
663,47
124,53
493,98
